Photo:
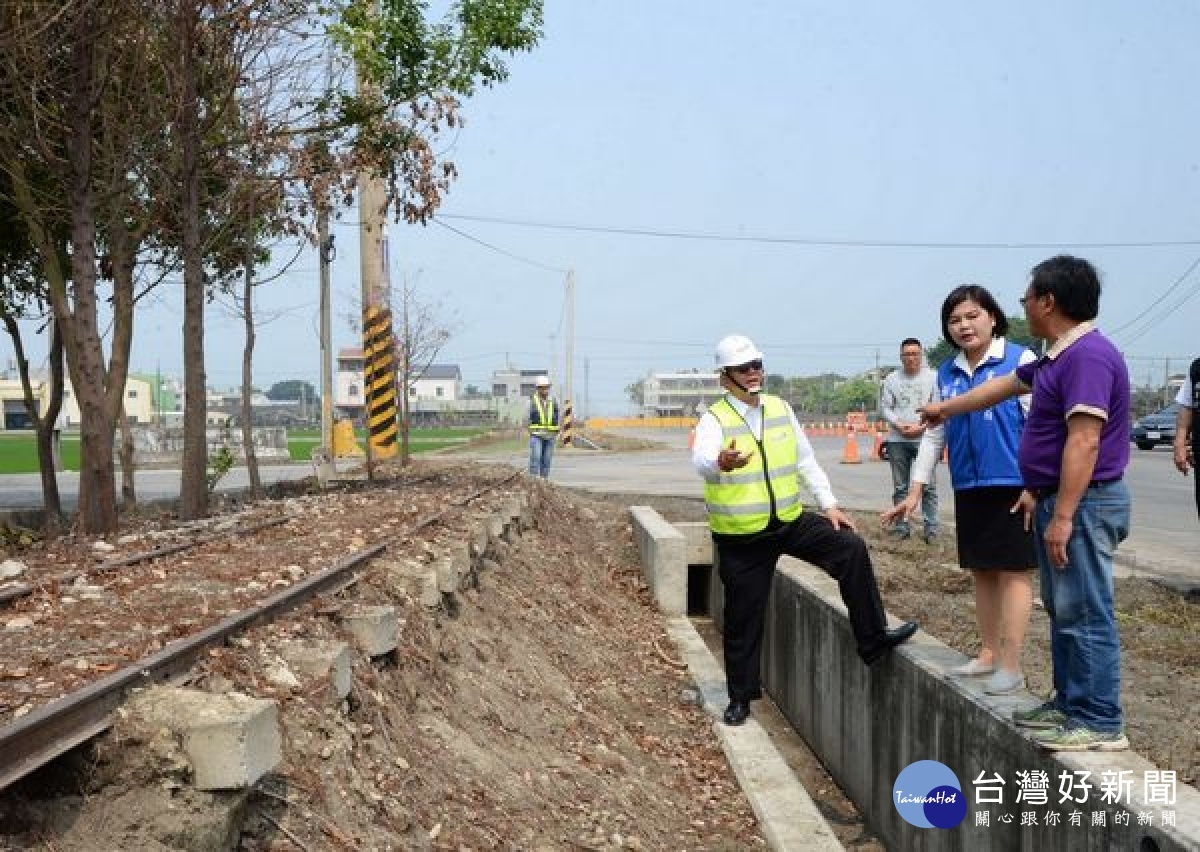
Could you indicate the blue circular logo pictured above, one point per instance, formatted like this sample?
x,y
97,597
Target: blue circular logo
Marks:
x,y
927,794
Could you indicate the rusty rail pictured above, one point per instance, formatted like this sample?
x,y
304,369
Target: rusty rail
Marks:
x,y
54,729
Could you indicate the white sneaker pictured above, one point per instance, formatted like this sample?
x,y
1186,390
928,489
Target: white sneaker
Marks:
x,y
972,668
1004,683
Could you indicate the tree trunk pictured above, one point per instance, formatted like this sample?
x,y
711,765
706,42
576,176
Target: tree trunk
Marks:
x,y
128,467
193,493
247,365
44,423
97,484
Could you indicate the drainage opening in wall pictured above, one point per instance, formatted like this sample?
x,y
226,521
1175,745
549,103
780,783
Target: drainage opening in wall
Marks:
x,y
697,594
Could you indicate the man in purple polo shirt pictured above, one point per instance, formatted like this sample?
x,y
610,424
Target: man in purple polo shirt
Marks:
x,y
1073,453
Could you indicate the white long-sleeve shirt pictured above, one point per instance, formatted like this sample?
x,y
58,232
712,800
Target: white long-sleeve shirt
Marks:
x,y
707,445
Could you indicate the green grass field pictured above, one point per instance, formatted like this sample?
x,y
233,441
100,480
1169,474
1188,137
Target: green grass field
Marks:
x,y
18,452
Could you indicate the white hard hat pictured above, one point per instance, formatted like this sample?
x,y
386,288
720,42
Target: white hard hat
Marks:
x,y
736,349
542,382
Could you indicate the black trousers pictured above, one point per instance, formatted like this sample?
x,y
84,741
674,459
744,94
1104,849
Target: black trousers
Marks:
x,y
747,566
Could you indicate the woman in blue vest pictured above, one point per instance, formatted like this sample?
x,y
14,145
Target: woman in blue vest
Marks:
x,y
993,531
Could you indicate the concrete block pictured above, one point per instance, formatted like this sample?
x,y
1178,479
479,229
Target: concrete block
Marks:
x,y
431,593
479,539
375,628
495,528
699,541
663,553
231,740
321,659
447,575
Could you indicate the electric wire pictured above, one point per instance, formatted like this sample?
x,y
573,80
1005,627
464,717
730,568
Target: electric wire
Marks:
x,y
713,236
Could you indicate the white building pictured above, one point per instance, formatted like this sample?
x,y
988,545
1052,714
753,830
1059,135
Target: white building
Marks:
x,y
139,403
511,383
434,396
683,394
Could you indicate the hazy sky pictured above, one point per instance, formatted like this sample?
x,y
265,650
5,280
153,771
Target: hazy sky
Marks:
x,y
834,170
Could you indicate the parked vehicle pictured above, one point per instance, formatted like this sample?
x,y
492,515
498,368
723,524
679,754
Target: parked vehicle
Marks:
x,y
1154,429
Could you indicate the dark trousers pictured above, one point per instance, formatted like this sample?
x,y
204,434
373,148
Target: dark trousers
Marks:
x,y
1196,472
747,565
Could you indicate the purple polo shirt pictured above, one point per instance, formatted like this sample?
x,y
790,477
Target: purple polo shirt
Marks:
x,y
1082,373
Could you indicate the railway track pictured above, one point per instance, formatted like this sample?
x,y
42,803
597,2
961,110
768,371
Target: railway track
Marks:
x,y
52,729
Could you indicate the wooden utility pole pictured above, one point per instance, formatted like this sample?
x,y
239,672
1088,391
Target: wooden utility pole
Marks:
x,y
327,468
379,378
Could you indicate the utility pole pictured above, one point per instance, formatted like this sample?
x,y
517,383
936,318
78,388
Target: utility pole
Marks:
x,y
327,467
570,341
378,341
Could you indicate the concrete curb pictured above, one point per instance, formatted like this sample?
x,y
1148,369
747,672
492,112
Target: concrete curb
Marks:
x,y
787,815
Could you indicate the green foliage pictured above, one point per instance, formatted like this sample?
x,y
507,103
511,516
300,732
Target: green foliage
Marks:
x,y
407,56
636,391
219,464
292,390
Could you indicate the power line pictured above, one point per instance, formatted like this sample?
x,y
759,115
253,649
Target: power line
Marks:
x,y
465,235
714,236
1167,310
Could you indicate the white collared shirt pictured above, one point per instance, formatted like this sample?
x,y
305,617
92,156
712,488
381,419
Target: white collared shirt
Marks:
x,y
707,445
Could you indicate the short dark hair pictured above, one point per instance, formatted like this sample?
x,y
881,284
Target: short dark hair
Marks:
x,y
980,296
1072,281
909,341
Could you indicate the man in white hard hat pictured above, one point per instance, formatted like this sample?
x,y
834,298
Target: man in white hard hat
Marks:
x,y
543,428
752,454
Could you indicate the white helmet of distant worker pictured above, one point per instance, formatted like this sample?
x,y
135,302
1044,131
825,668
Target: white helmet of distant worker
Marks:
x,y
542,382
736,349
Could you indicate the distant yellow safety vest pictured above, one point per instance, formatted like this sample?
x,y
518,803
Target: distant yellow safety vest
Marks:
x,y
545,416
740,502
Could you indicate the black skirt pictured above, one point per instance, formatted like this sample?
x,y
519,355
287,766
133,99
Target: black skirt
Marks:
x,y
990,537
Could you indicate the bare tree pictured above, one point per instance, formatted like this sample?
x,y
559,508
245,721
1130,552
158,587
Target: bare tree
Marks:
x,y
75,81
421,335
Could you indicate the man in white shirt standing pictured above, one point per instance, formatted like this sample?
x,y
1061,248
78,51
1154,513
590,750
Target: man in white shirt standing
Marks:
x,y
902,393
752,453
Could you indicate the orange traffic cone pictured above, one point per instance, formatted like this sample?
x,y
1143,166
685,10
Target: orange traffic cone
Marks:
x,y
877,453
850,453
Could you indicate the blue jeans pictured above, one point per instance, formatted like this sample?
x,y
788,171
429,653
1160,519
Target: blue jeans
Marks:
x,y
901,455
541,451
1085,647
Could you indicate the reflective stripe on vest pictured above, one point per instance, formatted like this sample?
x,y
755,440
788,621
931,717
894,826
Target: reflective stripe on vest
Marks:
x,y
739,502
545,418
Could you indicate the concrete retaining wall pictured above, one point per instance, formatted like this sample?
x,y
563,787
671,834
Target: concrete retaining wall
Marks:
x,y
868,724
663,552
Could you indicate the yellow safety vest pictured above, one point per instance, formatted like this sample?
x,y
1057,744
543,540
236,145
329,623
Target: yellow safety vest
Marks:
x,y
741,502
545,416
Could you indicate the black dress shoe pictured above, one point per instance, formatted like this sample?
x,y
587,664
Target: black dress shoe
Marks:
x,y
736,713
891,638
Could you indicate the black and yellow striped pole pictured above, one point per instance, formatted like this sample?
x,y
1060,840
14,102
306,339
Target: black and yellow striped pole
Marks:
x,y
568,423
379,366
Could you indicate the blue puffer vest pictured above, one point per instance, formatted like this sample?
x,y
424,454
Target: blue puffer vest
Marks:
x,y
982,445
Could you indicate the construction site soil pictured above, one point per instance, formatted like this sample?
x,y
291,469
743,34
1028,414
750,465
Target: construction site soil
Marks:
x,y
542,708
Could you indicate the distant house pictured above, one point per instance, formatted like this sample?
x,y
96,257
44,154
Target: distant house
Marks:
x,y
437,381
139,403
512,383
435,396
683,394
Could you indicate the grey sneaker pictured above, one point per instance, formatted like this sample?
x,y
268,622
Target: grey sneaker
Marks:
x,y
1079,738
1043,716
1004,683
